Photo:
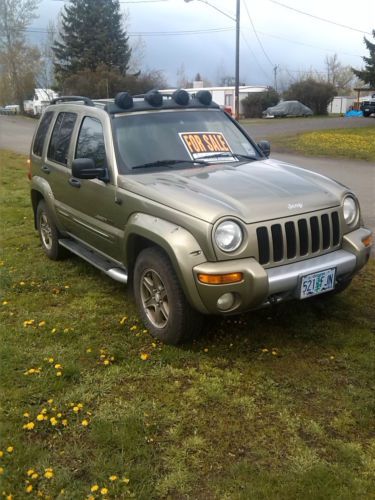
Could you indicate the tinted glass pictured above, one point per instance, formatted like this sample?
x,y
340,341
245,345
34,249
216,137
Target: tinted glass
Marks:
x,y
41,133
60,139
90,142
148,137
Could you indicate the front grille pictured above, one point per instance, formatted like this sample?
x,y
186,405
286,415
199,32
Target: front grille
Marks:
x,y
298,237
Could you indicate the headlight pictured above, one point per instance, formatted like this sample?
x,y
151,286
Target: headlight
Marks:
x,y
228,236
350,210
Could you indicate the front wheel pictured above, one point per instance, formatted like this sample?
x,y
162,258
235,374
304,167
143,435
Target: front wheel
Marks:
x,y
161,301
48,233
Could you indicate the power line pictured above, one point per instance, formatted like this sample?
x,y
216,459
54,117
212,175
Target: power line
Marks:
x,y
255,57
319,18
143,33
256,34
308,45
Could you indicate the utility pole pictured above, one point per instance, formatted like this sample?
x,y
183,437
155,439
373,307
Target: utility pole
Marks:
x,y
237,83
275,76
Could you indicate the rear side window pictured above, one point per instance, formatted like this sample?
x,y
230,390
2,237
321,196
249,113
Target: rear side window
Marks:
x,y
90,142
41,133
60,139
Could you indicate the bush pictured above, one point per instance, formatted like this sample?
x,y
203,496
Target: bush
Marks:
x,y
316,95
255,104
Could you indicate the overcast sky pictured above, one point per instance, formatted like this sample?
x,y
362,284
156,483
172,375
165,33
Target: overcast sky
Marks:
x,y
292,41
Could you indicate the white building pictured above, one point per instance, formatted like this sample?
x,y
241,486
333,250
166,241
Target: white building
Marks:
x,y
224,96
341,104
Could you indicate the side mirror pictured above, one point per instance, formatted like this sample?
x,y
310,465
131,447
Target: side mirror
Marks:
x,y
265,146
84,168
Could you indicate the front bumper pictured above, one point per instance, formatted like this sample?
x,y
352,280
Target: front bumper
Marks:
x,y
261,287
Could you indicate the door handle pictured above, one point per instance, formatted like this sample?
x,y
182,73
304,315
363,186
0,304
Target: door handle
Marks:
x,y
74,182
46,169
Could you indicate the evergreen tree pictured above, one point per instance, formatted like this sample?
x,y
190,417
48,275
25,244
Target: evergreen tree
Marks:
x,y
91,35
367,75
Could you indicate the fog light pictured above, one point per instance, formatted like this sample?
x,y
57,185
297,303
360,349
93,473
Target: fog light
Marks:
x,y
225,302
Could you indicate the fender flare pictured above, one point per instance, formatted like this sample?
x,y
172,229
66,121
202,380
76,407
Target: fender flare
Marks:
x,y
179,244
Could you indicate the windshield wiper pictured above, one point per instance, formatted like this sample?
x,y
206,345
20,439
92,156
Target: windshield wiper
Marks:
x,y
168,163
230,155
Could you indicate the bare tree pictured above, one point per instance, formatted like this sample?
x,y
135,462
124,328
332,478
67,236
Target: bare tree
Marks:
x,y
341,77
19,62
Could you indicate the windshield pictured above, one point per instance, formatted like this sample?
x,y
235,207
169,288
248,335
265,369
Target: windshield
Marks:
x,y
164,139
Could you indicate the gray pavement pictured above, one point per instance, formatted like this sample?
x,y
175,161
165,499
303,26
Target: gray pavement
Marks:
x,y
16,134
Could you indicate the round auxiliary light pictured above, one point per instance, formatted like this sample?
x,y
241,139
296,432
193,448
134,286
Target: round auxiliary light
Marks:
x,y
350,208
181,97
204,97
225,301
154,98
228,236
124,100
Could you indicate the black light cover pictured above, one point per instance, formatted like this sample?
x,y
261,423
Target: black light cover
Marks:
x,y
181,97
204,97
124,100
154,98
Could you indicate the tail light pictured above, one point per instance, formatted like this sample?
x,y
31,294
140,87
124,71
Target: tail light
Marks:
x,y
29,169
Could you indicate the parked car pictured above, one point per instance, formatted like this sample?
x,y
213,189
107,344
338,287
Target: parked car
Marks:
x,y
171,195
288,108
368,106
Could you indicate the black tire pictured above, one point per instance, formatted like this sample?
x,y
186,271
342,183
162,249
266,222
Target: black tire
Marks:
x,y
48,233
161,301
366,114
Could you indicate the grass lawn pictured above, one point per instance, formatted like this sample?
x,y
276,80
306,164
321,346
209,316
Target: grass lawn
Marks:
x,y
276,404
354,143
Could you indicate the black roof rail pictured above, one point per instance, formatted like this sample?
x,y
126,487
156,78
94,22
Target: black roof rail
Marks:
x,y
70,98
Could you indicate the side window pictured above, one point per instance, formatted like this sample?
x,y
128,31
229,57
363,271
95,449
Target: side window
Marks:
x,y
41,133
60,139
90,142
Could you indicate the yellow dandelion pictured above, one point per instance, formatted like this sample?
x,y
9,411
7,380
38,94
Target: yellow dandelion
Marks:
x,y
50,360
22,283
104,491
106,362
90,497
75,409
50,401
26,414
44,411
274,353
85,422
126,480
53,330
29,426
5,302
10,449
122,320
40,417
144,356
88,350
35,475
1,470
58,374
9,497
59,415
113,478
30,472
53,421
132,328
42,323
29,488
80,405
64,422
102,356
66,330
1,453
48,474
94,488
265,349
58,366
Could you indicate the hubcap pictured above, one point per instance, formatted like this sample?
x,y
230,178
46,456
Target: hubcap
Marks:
x,y
154,298
45,231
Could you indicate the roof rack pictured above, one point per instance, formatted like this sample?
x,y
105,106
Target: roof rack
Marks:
x,y
73,98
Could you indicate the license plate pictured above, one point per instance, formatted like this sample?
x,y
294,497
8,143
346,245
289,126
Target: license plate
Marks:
x,y
316,283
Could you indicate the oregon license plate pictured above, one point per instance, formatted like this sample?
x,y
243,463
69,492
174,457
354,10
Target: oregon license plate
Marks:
x,y
316,283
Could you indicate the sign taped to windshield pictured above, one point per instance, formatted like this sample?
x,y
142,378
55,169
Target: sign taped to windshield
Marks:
x,y
208,146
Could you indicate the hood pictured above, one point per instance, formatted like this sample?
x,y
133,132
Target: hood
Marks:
x,y
253,192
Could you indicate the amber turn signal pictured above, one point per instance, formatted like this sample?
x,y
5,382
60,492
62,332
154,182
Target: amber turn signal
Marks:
x,y
220,279
367,241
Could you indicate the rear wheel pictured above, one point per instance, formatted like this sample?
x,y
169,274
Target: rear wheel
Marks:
x,y
161,301
48,233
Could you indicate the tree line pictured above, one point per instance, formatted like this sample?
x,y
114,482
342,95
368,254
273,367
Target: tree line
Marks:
x,y
89,54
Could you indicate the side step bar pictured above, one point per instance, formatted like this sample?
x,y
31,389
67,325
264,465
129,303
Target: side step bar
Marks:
x,y
105,265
